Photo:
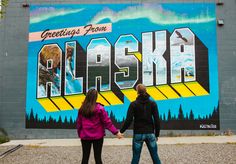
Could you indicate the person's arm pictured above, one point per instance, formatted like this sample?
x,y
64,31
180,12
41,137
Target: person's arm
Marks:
x,y
129,118
107,122
79,123
155,115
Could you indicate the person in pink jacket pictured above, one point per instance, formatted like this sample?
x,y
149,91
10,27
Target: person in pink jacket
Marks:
x,y
91,124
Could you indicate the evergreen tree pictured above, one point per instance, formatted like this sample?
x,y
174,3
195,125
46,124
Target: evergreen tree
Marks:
x,y
191,115
50,120
71,120
65,120
44,119
174,118
59,120
36,119
27,117
164,117
186,117
160,117
58,124
215,114
180,115
44,122
169,115
31,116
112,115
199,117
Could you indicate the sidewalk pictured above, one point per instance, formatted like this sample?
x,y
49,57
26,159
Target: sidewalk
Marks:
x,y
125,141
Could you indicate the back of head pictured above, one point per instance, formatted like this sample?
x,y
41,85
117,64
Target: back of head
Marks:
x,y
141,89
89,103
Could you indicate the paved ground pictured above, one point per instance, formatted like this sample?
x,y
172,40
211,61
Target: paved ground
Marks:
x,y
169,154
172,150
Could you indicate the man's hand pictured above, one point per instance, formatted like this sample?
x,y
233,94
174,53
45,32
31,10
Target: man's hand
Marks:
x,y
119,135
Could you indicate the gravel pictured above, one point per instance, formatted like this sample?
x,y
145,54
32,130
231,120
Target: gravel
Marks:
x,y
169,154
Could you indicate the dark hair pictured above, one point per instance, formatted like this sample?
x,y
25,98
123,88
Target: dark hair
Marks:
x,y
141,89
89,103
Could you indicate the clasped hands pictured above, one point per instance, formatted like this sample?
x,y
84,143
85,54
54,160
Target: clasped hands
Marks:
x,y
119,135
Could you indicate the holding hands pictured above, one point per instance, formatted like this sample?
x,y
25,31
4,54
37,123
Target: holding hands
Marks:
x,y
119,135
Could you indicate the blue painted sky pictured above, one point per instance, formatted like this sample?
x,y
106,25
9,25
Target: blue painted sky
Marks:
x,y
127,19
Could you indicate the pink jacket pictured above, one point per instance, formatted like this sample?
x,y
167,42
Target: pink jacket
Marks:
x,y
94,127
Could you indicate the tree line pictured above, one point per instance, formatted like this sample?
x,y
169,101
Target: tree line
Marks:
x,y
182,121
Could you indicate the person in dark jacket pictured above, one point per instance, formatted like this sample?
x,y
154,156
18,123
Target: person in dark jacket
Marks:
x,y
144,112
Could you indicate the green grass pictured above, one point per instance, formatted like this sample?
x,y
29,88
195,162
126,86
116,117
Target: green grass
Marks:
x,y
3,136
3,139
234,143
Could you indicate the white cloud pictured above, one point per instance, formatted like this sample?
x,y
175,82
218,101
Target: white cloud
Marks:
x,y
99,49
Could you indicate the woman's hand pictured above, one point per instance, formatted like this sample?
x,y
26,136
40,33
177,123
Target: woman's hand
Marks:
x,y
119,135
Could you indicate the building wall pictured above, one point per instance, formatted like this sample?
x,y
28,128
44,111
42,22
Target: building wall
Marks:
x,y
13,68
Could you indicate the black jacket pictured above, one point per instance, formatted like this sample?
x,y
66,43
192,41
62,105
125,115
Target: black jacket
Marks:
x,y
144,112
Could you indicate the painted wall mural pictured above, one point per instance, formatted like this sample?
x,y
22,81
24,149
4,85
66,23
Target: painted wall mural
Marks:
x,y
171,48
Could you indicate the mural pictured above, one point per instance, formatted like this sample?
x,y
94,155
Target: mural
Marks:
x,y
171,48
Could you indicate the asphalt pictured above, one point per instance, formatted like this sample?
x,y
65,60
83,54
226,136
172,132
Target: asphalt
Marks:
x,y
126,141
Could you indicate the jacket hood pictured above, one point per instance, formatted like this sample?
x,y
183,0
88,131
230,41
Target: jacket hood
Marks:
x,y
143,98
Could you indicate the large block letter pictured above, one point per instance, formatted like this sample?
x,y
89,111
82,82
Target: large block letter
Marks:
x,y
73,84
99,64
182,56
127,64
49,71
153,50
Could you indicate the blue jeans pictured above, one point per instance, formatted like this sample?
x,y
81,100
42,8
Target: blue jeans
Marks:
x,y
151,143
